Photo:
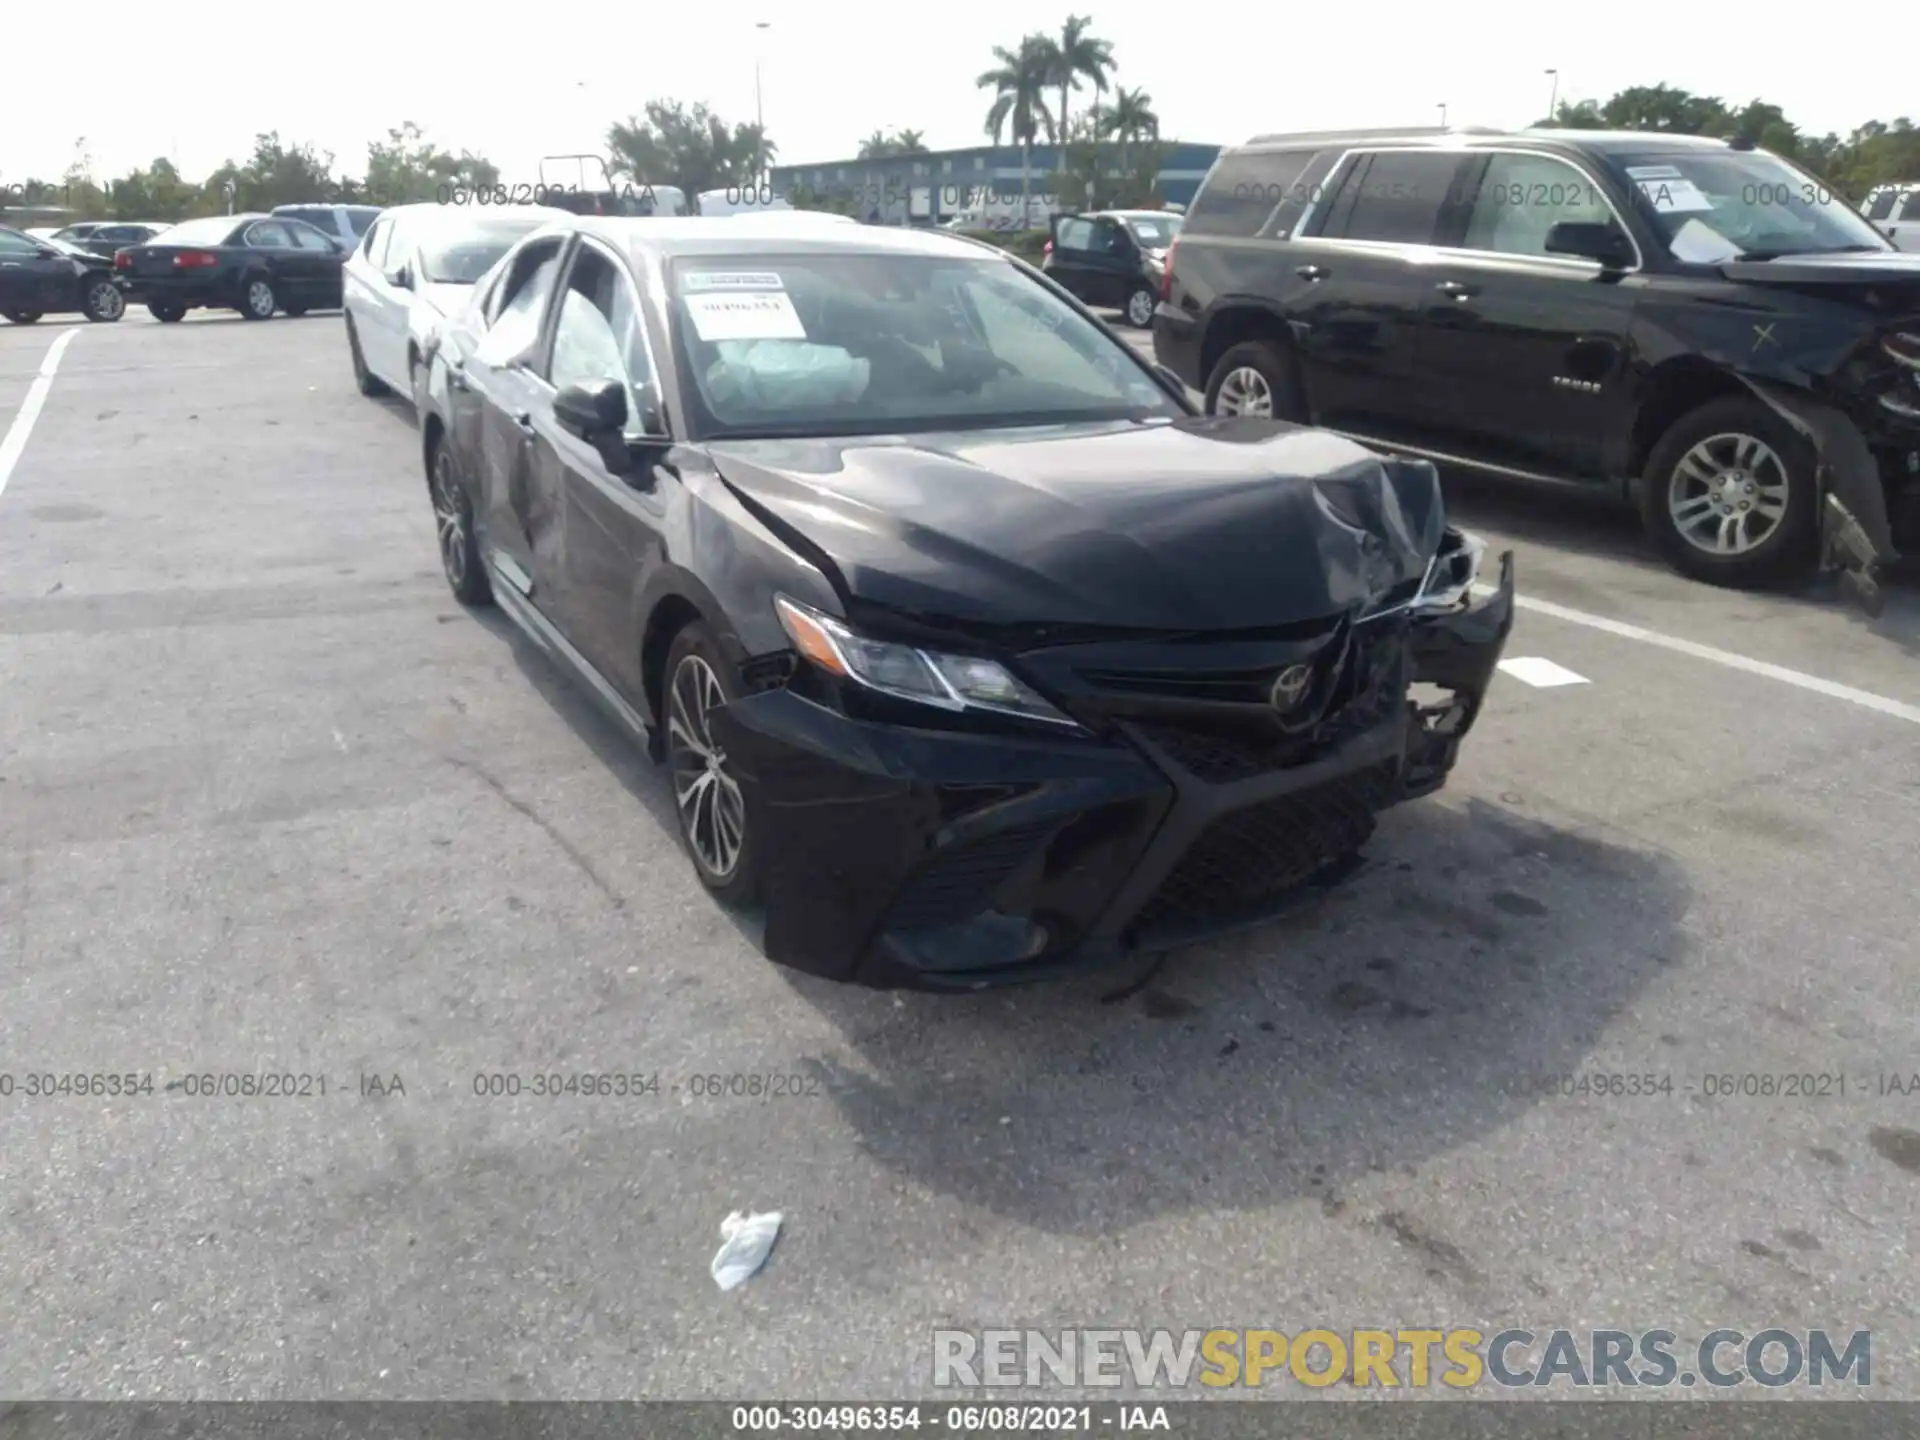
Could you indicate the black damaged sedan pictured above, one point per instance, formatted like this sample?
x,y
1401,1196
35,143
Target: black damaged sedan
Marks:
x,y
974,653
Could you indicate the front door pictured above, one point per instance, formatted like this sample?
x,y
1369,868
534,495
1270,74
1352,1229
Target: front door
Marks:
x,y
1072,259
33,281
1362,269
1525,358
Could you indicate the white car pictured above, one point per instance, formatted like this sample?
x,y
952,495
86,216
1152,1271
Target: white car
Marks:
x,y
1896,210
416,266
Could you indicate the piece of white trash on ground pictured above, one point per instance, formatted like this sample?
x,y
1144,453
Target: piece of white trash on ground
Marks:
x,y
747,1240
1539,671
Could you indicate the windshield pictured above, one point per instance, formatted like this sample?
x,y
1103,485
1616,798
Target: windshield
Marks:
x,y
463,257
1716,205
1154,232
863,344
213,230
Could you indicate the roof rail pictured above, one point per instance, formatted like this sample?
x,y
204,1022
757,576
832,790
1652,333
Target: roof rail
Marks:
x,y
1327,137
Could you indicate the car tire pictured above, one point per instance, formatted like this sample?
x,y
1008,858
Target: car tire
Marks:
x,y
21,317
458,540
257,300
697,680
102,302
1139,308
369,383
168,314
1710,466
1256,374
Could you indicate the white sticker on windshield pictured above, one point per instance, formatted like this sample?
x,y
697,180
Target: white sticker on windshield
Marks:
x,y
730,280
744,316
1655,172
1698,244
1675,197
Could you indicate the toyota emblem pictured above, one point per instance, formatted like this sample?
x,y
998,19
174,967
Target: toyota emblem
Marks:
x,y
1290,687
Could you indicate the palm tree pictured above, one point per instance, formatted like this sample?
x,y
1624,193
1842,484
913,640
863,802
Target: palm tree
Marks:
x,y
1076,55
1131,118
1019,81
910,142
876,146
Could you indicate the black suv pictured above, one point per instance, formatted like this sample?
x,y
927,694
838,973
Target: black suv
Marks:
x,y
1695,321
1113,257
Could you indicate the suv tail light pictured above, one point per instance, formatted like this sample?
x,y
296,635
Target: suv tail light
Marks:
x,y
1046,251
123,259
195,260
1166,269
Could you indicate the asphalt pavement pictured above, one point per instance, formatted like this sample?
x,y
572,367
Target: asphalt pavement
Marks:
x,y
272,803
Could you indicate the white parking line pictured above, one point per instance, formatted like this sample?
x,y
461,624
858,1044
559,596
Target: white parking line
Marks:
x,y
15,444
1537,671
1832,689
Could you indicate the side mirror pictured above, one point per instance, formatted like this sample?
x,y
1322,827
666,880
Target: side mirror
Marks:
x,y
1587,240
593,409
400,277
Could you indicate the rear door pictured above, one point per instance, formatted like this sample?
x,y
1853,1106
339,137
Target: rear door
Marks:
x,y
318,260
1364,261
1113,264
1071,264
269,246
379,309
1524,356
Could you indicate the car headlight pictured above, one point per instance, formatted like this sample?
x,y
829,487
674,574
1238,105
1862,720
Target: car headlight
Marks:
x,y
947,682
1451,574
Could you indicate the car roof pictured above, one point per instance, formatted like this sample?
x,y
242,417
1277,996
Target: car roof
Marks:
x,y
720,235
1604,142
420,208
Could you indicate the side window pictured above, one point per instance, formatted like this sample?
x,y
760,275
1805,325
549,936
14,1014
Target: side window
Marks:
x,y
305,237
1910,210
1394,196
1243,189
1108,239
374,246
1880,205
11,244
521,302
597,334
269,235
1074,234
1522,197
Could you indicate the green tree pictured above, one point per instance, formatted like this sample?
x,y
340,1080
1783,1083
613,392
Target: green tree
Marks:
x,y
1131,120
1019,81
1074,55
407,167
156,192
882,146
689,147
276,174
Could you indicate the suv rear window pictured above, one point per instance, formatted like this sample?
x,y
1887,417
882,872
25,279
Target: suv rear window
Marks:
x,y
1243,190
1394,196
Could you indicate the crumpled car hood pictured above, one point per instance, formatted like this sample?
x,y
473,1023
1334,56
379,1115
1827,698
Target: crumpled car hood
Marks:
x,y
1198,524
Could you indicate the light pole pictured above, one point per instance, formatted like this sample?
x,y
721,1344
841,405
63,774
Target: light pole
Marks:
x,y
759,112
1553,95
1443,114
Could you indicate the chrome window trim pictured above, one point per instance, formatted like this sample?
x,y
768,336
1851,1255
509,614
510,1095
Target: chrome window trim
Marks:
x,y
1590,266
558,303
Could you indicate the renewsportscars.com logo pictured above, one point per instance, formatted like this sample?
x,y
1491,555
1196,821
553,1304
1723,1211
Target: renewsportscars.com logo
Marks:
x,y
1459,1359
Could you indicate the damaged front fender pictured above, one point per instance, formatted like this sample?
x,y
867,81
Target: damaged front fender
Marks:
x,y
1454,653
1856,534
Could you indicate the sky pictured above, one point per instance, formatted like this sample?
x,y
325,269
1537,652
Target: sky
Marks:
x,y
830,73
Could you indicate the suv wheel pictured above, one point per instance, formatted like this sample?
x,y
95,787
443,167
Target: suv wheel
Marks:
x,y
1252,379
1728,496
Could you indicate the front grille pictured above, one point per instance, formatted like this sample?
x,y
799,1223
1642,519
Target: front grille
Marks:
x,y
1223,750
958,883
1250,857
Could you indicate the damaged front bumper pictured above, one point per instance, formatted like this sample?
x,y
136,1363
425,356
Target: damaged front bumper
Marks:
x,y
898,856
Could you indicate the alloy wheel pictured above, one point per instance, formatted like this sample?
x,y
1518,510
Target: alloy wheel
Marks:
x,y
1245,392
450,514
712,811
1728,494
260,298
1140,309
105,300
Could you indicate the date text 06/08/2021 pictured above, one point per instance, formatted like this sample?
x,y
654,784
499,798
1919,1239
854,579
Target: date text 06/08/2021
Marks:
x,y
827,1419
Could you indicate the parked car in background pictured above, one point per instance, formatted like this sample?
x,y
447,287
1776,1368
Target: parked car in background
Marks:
x,y
972,651
104,237
48,277
1896,210
343,223
1673,317
416,266
260,265
1112,258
